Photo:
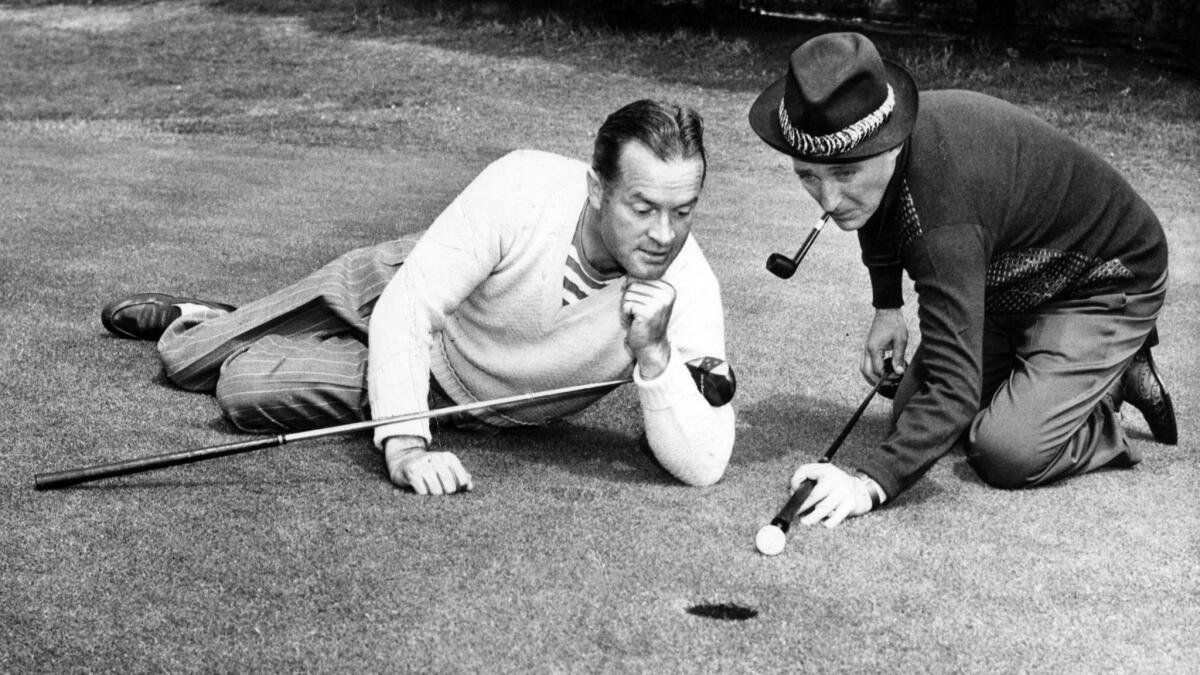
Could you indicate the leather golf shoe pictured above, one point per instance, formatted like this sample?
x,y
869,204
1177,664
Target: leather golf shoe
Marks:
x,y
145,316
1142,388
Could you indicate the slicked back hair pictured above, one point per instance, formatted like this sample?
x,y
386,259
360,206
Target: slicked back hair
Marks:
x,y
669,130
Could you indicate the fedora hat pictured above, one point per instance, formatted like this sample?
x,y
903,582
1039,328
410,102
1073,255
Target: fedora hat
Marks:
x,y
839,102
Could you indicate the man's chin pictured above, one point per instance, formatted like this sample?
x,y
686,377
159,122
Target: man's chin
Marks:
x,y
850,224
647,272
652,268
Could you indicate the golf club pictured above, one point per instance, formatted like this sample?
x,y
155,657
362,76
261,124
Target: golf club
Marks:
x,y
58,479
774,535
784,267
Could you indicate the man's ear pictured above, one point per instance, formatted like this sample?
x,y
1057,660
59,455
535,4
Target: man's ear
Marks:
x,y
595,188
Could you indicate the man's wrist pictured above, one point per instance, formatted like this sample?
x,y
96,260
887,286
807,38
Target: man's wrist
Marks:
x,y
653,360
401,445
873,489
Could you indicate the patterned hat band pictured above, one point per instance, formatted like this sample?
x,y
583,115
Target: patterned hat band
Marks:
x,y
838,142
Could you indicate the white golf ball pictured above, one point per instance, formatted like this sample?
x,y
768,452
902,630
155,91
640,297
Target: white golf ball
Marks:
x,y
770,540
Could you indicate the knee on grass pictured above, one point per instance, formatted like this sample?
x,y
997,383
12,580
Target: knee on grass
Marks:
x,y
1008,456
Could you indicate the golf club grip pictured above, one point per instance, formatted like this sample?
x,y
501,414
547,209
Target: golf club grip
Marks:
x,y
783,519
58,479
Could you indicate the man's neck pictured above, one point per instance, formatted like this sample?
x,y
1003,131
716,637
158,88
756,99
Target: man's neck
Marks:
x,y
591,247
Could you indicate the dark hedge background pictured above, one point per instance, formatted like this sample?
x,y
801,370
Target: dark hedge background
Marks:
x,y
1161,32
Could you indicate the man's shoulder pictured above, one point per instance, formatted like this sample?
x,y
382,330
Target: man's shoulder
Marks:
x,y
521,173
690,265
943,99
527,161
972,114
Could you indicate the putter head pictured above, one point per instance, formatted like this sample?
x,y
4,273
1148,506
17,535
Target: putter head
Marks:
x,y
781,266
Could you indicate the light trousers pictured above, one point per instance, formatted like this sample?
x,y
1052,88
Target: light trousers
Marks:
x,y
295,359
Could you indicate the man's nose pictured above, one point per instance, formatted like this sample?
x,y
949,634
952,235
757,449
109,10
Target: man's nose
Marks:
x,y
662,232
829,196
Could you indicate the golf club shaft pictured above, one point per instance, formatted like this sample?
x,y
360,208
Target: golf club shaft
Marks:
x,y
783,519
58,479
837,442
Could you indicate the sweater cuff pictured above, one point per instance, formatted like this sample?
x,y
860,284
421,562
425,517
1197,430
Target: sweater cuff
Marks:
x,y
886,286
664,391
413,430
876,492
405,443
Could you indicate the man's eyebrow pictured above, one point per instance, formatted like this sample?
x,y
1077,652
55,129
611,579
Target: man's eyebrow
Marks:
x,y
640,196
689,202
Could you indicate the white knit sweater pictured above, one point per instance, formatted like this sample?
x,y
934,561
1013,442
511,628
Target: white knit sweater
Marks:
x,y
478,303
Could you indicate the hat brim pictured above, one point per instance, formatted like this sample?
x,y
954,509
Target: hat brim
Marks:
x,y
764,119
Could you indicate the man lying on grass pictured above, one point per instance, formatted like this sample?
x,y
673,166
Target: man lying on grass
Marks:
x,y
543,273
1039,275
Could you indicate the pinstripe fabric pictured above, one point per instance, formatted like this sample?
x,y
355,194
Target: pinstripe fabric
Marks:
x,y
294,359
297,382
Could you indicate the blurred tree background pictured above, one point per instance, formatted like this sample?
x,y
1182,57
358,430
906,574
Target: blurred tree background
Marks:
x,y
1166,26
1163,32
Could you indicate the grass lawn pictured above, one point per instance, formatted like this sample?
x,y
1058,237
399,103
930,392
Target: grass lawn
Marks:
x,y
219,149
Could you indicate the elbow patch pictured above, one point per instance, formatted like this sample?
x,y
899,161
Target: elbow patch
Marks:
x,y
714,379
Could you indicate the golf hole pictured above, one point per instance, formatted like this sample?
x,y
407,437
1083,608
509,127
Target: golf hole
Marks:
x,y
723,611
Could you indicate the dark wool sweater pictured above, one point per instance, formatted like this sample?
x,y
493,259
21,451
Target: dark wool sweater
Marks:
x,y
991,210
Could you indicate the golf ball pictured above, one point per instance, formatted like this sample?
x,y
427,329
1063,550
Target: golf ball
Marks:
x,y
770,540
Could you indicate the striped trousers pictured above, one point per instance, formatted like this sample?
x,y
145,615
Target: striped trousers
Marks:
x,y
295,359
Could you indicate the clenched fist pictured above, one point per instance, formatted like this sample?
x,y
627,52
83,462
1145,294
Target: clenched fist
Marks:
x,y
646,311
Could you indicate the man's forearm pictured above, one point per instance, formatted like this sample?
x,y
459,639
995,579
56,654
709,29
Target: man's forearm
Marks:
x,y
398,362
691,438
652,361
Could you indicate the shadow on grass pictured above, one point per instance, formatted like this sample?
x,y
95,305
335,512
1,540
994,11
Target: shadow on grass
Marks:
x,y
604,455
600,454
804,427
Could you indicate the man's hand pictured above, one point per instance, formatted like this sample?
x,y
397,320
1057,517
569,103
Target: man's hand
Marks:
x,y
427,473
646,311
888,335
836,496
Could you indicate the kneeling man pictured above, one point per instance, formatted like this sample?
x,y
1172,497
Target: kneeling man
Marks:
x,y
1039,274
